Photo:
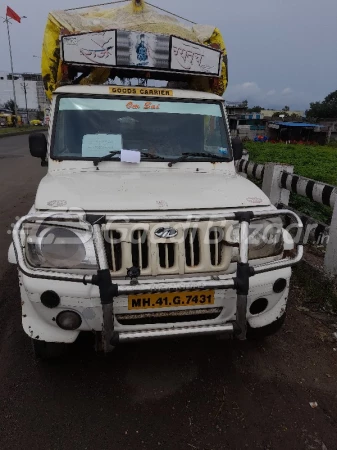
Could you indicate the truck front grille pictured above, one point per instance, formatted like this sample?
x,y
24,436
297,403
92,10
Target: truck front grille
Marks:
x,y
216,247
116,251
167,255
192,247
199,248
140,249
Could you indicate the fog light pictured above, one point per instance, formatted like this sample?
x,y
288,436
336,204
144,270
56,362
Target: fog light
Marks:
x,y
68,320
280,285
258,306
50,299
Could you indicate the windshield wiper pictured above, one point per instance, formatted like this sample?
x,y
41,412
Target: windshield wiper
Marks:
x,y
111,155
185,156
151,156
107,157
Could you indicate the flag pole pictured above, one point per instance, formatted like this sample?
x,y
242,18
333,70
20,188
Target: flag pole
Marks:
x,y
11,58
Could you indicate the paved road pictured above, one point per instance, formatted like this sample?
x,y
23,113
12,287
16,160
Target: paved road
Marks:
x,y
178,394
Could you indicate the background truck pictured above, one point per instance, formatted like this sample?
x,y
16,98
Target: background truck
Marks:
x,y
142,228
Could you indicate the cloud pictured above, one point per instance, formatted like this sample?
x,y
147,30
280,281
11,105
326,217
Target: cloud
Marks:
x,y
243,90
287,91
249,90
267,98
249,86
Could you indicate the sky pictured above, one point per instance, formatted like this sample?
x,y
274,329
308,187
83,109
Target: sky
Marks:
x,y
280,52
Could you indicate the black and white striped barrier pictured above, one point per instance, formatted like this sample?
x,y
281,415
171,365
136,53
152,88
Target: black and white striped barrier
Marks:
x,y
252,169
278,182
316,191
313,231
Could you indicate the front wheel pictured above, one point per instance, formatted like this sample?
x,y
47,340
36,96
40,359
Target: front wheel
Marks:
x,y
48,350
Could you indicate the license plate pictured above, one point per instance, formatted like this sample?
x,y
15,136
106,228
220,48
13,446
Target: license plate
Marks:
x,y
171,300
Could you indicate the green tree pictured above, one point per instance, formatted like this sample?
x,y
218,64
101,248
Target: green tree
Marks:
x,y
40,115
245,103
295,118
286,108
327,109
11,106
277,114
256,109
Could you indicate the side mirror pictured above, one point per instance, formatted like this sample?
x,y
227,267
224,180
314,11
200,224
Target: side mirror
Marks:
x,y
237,146
38,146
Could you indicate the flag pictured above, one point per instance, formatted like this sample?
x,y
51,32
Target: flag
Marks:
x,y
12,14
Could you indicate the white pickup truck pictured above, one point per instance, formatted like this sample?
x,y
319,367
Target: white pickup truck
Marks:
x,y
142,227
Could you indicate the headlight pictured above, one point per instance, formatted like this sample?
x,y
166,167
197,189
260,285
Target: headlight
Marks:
x,y
265,238
60,247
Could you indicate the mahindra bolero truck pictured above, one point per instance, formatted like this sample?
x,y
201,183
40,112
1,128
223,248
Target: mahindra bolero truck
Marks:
x,y
142,227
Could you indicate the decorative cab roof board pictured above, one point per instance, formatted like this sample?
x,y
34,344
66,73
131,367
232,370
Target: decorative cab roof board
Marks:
x,y
90,45
139,51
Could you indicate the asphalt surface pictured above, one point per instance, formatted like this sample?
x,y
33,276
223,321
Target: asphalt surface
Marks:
x,y
179,394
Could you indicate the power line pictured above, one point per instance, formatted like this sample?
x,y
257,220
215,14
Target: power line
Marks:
x,y
124,1
92,6
172,14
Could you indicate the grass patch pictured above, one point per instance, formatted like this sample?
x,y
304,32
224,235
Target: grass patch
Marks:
x,y
18,130
319,212
316,162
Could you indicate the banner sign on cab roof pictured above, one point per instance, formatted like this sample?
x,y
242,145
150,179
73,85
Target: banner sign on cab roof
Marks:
x,y
156,92
138,50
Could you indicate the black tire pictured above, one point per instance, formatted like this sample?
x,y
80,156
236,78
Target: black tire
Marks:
x,y
48,350
260,333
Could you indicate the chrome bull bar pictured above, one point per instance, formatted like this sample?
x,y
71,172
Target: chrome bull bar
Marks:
x,y
109,290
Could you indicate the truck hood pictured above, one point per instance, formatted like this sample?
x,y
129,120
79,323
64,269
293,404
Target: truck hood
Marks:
x,y
146,191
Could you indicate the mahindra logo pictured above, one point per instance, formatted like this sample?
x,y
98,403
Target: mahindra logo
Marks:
x,y
166,233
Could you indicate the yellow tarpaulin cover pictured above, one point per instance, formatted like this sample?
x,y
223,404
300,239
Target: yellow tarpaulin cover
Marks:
x,y
135,16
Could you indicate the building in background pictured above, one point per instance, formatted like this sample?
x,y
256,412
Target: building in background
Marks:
x,y
29,90
331,126
234,110
269,113
297,132
245,124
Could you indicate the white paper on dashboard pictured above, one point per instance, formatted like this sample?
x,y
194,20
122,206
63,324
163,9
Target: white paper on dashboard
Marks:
x,y
130,156
97,145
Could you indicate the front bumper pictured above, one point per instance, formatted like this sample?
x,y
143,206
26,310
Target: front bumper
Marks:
x,y
40,322
237,291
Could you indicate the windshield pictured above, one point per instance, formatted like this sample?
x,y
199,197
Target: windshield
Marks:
x,y
89,128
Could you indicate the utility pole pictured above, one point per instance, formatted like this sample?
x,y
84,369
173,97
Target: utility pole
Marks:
x,y
7,21
10,14
24,87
